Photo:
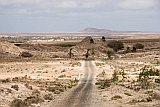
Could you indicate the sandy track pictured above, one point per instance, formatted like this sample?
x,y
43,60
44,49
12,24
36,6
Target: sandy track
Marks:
x,y
84,94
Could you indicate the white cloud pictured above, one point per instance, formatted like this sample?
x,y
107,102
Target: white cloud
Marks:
x,y
55,3
74,6
126,4
137,4
67,4
90,3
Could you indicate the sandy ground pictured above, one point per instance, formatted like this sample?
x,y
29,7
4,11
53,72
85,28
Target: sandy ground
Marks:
x,y
132,65
54,82
126,100
31,72
37,70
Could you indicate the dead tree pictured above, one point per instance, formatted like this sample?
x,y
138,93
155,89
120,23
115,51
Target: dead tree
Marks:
x,y
70,53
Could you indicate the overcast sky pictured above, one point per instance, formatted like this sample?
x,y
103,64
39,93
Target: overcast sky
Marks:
x,y
75,15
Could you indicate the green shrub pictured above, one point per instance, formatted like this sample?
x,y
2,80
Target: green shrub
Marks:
x,y
65,45
116,97
132,102
148,71
103,83
115,77
138,46
116,45
109,53
127,94
144,76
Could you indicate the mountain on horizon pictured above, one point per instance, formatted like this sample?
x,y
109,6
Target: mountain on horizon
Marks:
x,y
95,30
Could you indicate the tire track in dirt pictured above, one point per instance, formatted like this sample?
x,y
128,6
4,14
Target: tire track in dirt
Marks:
x,y
80,95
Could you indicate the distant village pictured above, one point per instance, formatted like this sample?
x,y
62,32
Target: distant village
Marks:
x,y
31,39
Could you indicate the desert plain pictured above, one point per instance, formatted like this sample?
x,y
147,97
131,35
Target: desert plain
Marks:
x,y
59,74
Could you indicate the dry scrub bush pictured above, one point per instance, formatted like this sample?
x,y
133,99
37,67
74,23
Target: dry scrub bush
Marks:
x,y
56,90
62,76
48,97
5,80
153,95
15,87
18,103
33,99
104,83
26,54
63,71
28,86
15,79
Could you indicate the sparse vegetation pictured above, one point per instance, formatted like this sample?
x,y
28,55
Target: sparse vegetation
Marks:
x,y
144,76
116,97
103,83
109,53
65,45
48,97
128,94
33,100
26,54
92,51
15,87
28,86
116,45
132,102
134,49
138,46
115,77
128,50
51,72
18,103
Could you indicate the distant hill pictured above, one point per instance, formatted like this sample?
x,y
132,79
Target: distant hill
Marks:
x,y
95,30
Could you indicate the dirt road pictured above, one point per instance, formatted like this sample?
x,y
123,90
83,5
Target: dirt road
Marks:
x,y
84,94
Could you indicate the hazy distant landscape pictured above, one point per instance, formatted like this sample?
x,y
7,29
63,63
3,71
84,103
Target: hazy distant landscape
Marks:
x,y
91,68
94,32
